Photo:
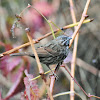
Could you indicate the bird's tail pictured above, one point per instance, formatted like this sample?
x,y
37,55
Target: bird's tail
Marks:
x,y
22,54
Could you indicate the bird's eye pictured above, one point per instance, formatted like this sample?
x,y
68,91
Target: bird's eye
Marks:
x,y
64,42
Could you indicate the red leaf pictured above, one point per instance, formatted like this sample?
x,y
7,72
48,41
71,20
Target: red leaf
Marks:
x,y
18,85
31,88
44,7
17,76
33,19
7,64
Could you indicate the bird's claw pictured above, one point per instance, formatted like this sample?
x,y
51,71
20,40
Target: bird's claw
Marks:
x,y
56,77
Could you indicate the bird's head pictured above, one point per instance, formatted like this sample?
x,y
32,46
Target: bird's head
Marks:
x,y
64,40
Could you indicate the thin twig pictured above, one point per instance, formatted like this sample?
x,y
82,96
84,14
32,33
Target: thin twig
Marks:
x,y
65,93
34,51
46,21
74,49
48,34
40,75
75,81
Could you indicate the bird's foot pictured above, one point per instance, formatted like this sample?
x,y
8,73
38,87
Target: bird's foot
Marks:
x,y
53,74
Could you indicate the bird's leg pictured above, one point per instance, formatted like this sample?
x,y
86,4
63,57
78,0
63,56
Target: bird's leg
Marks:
x,y
57,67
53,73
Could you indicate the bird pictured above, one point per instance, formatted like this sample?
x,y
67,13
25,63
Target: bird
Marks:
x,y
53,52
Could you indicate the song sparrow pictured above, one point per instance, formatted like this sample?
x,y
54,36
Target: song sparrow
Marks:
x,y
53,52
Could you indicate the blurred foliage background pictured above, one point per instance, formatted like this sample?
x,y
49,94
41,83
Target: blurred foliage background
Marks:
x,y
57,11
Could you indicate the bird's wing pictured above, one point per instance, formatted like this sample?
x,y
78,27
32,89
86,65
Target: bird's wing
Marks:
x,y
23,54
45,52
41,51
